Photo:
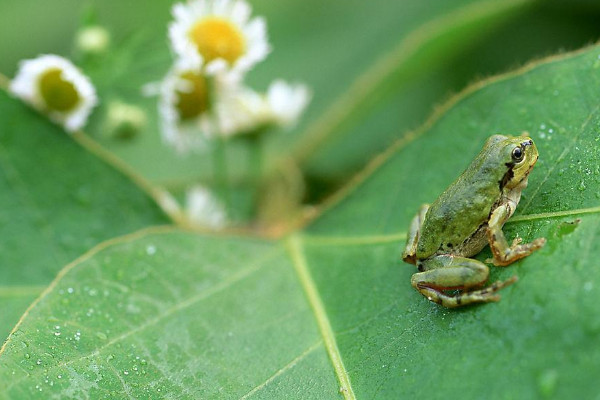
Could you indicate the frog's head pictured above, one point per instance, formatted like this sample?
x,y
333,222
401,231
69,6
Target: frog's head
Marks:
x,y
519,155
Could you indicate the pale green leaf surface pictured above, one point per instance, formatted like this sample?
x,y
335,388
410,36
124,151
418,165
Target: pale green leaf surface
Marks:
x,y
56,201
228,317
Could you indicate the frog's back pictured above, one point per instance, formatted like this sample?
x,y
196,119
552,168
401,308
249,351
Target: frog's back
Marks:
x,y
456,220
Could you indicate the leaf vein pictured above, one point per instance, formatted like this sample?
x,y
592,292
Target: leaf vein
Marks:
x,y
285,368
310,289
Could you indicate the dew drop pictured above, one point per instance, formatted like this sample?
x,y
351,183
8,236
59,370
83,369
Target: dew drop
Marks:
x,y
547,382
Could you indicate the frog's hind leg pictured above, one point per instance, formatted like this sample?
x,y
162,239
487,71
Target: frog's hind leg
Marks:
x,y
410,251
448,273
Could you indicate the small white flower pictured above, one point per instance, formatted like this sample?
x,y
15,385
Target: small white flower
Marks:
x,y
203,209
220,35
242,110
93,39
53,85
184,107
124,120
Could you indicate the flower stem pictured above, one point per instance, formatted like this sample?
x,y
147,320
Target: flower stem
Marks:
x,y
221,173
256,160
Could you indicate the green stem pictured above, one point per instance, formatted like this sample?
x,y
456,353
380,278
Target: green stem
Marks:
x,y
221,173
255,168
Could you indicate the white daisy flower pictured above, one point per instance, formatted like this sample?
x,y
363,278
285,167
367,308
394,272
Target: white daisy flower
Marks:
x,y
203,209
243,110
219,34
184,107
54,86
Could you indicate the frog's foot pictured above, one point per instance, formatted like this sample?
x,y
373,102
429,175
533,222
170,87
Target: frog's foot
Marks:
x,y
508,255
484,295
410,251
504,253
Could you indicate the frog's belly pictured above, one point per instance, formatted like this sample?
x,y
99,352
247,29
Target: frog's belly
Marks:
x,y
474,244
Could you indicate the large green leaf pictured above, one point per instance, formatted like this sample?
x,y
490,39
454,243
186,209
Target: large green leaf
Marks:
x,y
56,201
330,310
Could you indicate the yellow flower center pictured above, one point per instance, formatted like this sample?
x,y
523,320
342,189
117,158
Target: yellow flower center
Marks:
x,y
58,94
218,38
194,100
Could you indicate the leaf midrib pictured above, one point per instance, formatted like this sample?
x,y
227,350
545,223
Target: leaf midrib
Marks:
x,y
296,252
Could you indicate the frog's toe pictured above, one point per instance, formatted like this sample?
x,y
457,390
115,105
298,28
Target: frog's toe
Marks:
x,y
538,243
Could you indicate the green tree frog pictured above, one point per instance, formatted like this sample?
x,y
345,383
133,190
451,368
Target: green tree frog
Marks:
x,y
466,217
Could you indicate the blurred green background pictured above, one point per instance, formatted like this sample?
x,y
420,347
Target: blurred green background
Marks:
x,y
328,45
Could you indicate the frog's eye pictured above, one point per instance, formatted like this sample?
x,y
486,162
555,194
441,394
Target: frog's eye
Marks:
x,y
517,154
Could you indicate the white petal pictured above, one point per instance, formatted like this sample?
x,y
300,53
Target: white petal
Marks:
x,y
240,13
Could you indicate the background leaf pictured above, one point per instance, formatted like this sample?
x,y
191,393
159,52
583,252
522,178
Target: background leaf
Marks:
x,y
56,201
397,61
260,317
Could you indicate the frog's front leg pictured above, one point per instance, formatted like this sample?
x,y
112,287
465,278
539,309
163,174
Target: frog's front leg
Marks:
x,y
503,253
446,272
410,251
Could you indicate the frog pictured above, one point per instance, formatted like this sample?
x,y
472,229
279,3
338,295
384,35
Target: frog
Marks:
x,y
469,215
